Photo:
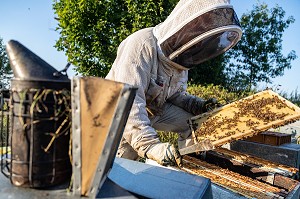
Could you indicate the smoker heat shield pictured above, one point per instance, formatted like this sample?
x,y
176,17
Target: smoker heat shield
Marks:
x,y
100,109
240,119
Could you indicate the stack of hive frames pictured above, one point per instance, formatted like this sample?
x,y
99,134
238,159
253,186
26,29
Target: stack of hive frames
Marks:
x,y
237,183
244,118
253,161
265,171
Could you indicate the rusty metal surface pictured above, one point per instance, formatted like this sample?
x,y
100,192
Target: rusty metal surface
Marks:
x,y
244,118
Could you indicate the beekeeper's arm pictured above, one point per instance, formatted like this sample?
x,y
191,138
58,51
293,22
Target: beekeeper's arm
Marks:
x,y
133,66
193,104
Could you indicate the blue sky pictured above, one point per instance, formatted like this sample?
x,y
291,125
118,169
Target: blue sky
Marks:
x,y
32,23
290,81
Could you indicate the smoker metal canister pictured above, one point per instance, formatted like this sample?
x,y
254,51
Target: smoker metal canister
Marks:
x,y
32,128
31,165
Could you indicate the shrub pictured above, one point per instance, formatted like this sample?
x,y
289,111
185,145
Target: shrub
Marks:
x,y
218,92
294,96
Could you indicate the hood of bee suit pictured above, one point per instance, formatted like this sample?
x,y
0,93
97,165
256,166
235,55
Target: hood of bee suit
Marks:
x,y
198,30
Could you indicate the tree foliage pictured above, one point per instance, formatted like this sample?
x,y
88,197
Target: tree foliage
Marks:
x,y
5,70
258,56
91,30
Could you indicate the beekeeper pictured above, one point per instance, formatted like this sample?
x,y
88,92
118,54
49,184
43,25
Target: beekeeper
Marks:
x,y
156,60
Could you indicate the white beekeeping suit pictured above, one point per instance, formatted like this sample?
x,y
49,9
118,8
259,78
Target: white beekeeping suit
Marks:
x,y
156,60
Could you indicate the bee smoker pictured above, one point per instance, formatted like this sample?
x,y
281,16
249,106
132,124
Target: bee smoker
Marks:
x,y
39,121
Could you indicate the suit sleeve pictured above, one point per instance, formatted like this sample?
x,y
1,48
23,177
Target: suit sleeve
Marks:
x,y
133,66
189,103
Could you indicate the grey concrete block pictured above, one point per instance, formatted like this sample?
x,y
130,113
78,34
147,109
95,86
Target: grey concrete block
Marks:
x,y
286,154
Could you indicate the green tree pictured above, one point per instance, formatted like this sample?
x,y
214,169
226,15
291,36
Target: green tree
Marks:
x,y
258,56
91,30
5,70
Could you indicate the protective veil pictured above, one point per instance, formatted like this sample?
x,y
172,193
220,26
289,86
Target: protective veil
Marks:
x,y
156,60
197,31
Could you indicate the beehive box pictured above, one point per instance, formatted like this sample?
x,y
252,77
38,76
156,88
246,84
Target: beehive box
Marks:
x,y
244,118
271,138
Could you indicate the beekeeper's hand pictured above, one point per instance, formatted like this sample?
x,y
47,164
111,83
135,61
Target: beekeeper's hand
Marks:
x,y
164,154
210,104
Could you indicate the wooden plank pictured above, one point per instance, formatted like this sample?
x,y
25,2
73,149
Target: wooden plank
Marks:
x,y
244,118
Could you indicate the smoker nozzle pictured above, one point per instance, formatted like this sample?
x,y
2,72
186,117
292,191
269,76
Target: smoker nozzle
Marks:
x,y
28,66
